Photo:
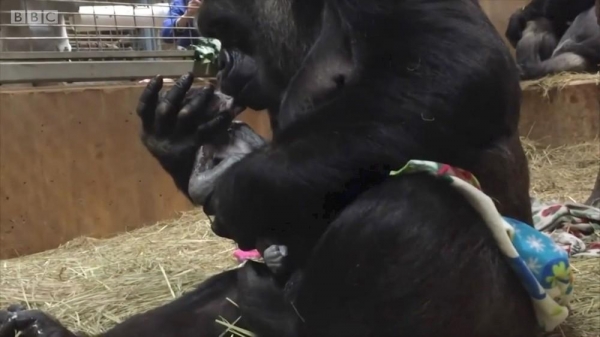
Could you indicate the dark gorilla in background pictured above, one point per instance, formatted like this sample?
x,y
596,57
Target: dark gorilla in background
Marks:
x,y
354,89
552,36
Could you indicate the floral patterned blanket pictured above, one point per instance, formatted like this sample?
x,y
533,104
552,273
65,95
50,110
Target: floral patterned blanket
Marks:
x,y
575,227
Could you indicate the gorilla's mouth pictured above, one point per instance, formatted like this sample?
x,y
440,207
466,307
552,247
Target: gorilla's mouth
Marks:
x,y
237,77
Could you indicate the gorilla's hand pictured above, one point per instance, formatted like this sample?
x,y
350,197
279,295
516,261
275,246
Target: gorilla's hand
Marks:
x,y
214,158
529,71
30,323
238,78
177,123
274,257
516,25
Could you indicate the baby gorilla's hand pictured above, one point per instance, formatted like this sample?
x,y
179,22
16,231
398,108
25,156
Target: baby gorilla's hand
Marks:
x,y
274,257
177,123
212,160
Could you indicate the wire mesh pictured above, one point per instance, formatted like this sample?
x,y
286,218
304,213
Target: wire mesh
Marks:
x,y
146,37
89,25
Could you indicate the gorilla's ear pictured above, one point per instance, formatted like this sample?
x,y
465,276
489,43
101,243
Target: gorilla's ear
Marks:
x,y
329,65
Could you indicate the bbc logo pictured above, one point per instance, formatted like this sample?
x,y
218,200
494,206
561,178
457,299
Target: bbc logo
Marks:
x,y
33,18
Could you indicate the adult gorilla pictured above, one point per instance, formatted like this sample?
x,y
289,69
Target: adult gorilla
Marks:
x,y
361,88
553,36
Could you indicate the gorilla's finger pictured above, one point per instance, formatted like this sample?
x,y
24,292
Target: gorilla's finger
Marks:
x,y
195,112
206,131
31,321
35,323
167,109
8,326
147,103
24,319
15,308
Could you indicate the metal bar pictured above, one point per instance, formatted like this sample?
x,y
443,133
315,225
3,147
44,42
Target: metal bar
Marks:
x,y
75,38
102,14
27,72
91,14
97,2
24,56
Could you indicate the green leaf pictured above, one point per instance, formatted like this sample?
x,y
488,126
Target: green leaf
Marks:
x,y
206,50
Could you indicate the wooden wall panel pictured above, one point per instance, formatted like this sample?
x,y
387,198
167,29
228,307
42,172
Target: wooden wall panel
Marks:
x,y
499,11
71,164
566,116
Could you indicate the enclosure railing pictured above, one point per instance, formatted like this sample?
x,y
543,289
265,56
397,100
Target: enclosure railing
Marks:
x,y
93,40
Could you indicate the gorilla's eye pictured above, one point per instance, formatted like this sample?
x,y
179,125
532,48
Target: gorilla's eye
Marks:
x,y
340,81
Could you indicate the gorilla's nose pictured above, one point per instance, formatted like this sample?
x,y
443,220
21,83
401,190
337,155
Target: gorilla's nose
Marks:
x,y
224,59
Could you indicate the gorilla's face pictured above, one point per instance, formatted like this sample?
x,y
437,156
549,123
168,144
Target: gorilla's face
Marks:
x,y
238,77
261,46
291,55
230,22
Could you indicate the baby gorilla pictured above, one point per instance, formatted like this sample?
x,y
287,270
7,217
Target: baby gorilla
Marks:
x,y
224,141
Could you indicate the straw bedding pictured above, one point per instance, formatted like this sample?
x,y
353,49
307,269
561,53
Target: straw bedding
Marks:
x,y
91,284
559,81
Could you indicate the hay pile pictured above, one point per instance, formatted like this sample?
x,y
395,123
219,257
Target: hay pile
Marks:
x,y
565,173
559,81
92,284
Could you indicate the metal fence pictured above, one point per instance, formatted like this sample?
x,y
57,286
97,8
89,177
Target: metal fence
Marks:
x,y
89,40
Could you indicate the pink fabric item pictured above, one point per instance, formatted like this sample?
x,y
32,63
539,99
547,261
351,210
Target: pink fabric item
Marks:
x,y
241,255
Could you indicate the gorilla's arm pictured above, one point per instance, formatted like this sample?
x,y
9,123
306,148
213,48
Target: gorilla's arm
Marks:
x,y
579,50
559,12
298,186
535,9
565,10
248,295
537,43
518,20
589,49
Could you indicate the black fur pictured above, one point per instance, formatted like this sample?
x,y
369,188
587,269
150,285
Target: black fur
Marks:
x,y
247,296
429,104
443,274
547,42
559,12
362,87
